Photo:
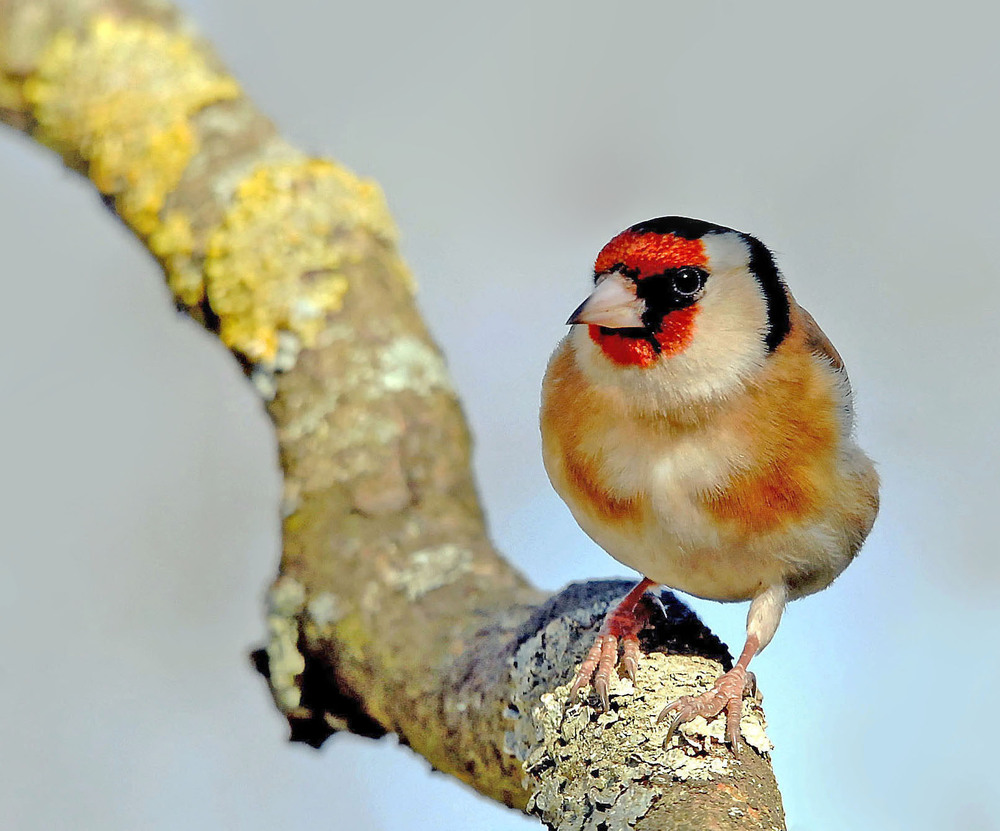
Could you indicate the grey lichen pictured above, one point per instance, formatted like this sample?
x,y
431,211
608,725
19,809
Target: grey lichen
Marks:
x,y
355,418
291,497
322,612
407,363
404,363
325,609
429,569
593,770
285,602
289,347
264,382
264,374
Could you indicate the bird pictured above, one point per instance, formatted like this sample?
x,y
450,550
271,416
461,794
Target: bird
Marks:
x,y
699,425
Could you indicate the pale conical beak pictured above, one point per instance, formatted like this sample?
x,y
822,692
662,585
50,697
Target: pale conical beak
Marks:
x,y
612,304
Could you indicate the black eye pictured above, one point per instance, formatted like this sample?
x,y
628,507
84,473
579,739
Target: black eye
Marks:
x,y
688,281
675,288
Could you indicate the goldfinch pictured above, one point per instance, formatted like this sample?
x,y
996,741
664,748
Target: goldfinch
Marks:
x,y
699,426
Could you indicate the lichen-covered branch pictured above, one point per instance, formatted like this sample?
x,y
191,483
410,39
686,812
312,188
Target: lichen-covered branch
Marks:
x,y
392,611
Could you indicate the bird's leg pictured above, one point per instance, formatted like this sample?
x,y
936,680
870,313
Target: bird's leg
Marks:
x,y
728,691
622,625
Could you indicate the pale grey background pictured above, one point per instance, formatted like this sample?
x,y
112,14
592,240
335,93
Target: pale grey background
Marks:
x,y
137,515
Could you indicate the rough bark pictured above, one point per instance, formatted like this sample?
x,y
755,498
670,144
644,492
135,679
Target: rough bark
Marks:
x,y
391,612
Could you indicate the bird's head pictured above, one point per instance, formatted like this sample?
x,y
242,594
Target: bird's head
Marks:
x,y
683,311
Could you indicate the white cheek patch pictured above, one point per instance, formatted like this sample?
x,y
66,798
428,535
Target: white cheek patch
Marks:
x,y
726,252
731,323
729,329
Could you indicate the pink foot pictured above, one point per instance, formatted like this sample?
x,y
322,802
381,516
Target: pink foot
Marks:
x,y
621,627
726,694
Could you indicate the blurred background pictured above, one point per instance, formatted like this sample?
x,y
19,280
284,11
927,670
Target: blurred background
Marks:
x,y
139,488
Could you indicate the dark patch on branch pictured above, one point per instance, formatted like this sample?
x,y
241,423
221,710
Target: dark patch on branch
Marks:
x,y
673,627
326,707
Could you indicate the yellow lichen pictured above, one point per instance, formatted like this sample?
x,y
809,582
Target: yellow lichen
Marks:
x,y
173,244
276,262
120,97
117,100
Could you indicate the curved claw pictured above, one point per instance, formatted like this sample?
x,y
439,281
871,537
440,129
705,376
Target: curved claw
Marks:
x,y
751,689
596,669
678,720
725,695
673,705
601,688
586,670
630,656
734,711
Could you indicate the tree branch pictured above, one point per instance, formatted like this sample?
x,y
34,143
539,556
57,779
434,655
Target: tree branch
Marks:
x,y
392,612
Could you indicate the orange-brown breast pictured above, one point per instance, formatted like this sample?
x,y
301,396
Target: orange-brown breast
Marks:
x,y
792,418
570,412
581,476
